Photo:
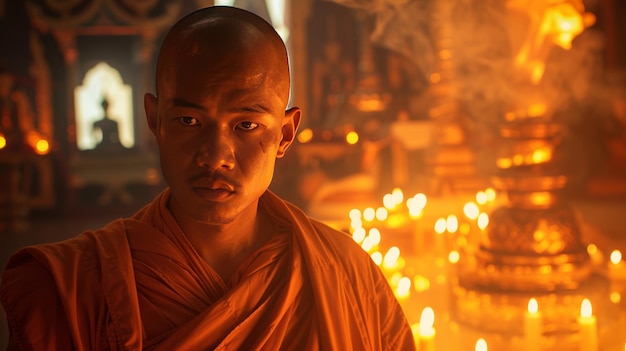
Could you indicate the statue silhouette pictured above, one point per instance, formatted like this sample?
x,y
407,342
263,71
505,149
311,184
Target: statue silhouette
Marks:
x,y
109,129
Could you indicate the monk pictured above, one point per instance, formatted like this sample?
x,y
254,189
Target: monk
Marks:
x,y
216,261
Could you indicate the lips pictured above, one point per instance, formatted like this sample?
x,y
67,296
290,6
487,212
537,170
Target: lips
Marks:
x,y
213,190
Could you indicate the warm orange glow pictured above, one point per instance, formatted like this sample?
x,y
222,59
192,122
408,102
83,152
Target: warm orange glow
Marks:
x,y
358,235
355,214
421,283
471,210
375,235
616,256
3,141
504,163
615,297
381,214
533,307
377,257
356,223
42,147
454,257
445,54
541,198
368,244
452,224
427,320
537,109
541,155
481,345
464,228
389,202
305,136
592,249
352,138
404,288
481,197
391,257
369,214
491,194
435,78
483,220
585,309
440,226
398,195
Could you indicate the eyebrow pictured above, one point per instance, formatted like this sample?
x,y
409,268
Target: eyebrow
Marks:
x,y
184,103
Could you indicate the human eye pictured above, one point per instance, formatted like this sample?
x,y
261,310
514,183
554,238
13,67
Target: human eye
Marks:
x,y
188,121
247,125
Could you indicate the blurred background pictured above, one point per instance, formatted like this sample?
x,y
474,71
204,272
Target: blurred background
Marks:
x,y
444,98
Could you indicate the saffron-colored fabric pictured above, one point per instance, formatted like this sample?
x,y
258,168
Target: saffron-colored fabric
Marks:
x,y
139,284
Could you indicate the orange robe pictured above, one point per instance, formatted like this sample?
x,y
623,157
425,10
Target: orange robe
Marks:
x,y
138,283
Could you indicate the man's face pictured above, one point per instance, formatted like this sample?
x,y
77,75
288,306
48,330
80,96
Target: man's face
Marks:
x,y
220,123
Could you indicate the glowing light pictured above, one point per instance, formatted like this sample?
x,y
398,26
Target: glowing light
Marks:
x,y
481,345
398,195
616,256
356,223
592,249
440,226
504,163
471,210
377,257
391,257
420,200
369,214
491,194
352,138
481,197
427,320
354,214
389,202
537,109
615,297
585,309
421,283
42,147
454,257
375,235
404,287
435,78
381,214
305,136
3,141
541,155
533,306
482,221
358,235
368,244
452,224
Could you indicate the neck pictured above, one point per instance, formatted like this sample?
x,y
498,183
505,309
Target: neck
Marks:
x,y
225,246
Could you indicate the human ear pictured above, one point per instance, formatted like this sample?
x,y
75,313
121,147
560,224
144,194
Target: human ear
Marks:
x,y
290,126
152,116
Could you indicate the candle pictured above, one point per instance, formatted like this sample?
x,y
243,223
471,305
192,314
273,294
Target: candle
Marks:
x,y
533,326
481,345
587,327
617,266
426,330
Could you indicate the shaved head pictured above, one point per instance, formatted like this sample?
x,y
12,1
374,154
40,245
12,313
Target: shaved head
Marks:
x,y
223,36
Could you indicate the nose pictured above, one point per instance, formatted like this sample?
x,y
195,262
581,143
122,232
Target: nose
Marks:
x,y
215,151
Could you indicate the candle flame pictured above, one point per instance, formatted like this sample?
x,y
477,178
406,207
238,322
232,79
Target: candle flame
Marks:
x,y
404,287
585,308
352,138
481,345
427,320
355,214
377,257
491,194
305,136
375,235
358,235
381,214
471,210
481,198
592,249
398,195
452,224
389,202
616,256
391,257
483,220
453,257
440,226
369,214
533,307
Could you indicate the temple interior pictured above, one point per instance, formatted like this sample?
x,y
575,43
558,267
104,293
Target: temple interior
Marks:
x,y
475,148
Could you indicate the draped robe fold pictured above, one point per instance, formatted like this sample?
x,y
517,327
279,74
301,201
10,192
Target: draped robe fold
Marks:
x,y
138,283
